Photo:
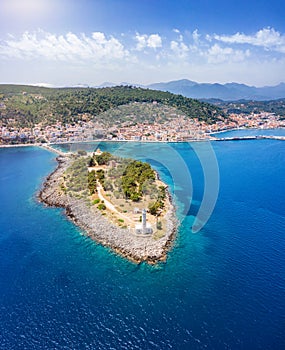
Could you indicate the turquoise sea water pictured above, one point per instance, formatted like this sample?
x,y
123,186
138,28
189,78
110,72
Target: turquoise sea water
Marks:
x,y
221,288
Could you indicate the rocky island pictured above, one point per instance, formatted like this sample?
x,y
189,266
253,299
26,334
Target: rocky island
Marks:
x,y
119,203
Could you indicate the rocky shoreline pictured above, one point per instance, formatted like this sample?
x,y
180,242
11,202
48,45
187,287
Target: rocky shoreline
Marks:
x,y
100,229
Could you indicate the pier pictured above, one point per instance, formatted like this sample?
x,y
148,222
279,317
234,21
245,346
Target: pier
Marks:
x,y
244,138
52,149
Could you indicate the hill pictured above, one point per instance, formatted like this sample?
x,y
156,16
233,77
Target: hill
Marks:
x,y
242,106
28,105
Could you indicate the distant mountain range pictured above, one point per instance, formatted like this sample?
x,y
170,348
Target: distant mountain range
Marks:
x,y
226,92
205,91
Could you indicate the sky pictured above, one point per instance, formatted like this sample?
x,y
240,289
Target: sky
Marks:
x,y
70,42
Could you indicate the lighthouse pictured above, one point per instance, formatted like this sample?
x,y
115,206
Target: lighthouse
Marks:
x,y
144,221
144,227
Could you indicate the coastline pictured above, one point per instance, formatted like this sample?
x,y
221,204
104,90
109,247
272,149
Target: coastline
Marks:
x,y
208,137
20,145
135,248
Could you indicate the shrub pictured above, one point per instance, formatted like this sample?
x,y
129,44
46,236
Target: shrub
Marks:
x,y
154,207
103,158
81,152
92,182
135,197
101,206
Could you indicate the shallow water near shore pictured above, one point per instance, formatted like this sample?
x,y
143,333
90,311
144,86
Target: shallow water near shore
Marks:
x,y
221,288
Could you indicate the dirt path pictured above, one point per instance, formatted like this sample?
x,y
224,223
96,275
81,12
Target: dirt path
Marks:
x,y
111,206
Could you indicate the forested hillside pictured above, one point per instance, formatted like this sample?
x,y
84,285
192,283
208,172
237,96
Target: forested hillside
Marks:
x,y
247,107
29,105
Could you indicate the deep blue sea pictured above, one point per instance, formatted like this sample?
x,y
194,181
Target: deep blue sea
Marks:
x,y
221,288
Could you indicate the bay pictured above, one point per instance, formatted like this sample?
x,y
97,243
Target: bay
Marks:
x,y
221,288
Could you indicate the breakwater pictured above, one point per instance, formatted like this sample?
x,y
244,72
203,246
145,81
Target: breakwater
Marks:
x,y
241,138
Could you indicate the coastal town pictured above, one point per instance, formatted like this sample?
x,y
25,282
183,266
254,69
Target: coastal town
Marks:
x,y
177,129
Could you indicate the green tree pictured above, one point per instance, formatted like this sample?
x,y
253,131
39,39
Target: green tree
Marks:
x,y
103,158
101,206
92,162
92,182
100,175
155,207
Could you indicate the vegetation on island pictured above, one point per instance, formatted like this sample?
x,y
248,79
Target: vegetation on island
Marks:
x,y
156,206
136,175
100,159
76,177
92,182
126,183
30,105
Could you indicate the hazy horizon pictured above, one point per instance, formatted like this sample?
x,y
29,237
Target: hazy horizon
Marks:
x,y
102,84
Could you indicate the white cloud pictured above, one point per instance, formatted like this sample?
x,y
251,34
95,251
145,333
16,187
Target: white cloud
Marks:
x,y
153,41
179,49
196,36
218,54
69,47
267,38
96,57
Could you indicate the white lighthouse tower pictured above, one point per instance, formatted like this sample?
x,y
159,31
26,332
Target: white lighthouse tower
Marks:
x,y
144,222
144,227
